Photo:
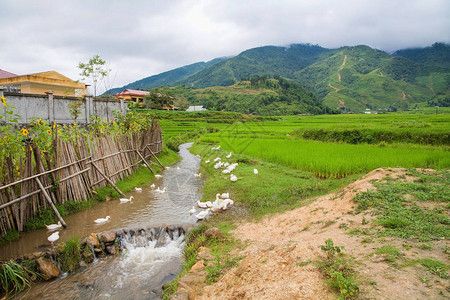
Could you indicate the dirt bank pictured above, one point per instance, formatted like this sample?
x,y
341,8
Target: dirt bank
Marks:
x,y
276,245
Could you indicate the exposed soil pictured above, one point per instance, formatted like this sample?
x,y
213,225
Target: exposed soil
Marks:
x,y
277,244
335,88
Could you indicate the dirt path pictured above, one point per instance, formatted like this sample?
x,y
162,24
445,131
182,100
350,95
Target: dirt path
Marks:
x,y
270,268
342,67
335,88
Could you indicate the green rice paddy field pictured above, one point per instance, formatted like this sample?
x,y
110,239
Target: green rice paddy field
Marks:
x,y
326,145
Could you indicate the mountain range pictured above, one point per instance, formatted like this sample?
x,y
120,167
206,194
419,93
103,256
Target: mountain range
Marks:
x,y
350,77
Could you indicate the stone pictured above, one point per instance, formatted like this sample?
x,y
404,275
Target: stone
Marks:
x,y
88,256
111,250
47,268
107,236
203,253
200,265
32,256
98,250
91,240
213,232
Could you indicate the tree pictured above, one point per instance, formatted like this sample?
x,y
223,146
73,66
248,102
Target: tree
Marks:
x,y
94,70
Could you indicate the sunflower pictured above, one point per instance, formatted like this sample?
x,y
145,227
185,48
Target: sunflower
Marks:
x,y
49,131
3,100
25,131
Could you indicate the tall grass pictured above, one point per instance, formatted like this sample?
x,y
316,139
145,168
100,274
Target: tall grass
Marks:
x,y
14,277
334,160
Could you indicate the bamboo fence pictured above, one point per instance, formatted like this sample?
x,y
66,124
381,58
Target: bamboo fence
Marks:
x,y
71,174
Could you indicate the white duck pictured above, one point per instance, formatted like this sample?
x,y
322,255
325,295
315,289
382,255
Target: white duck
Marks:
x,y
225,195
53,237
138,189
125,200
192,211
198,175
255,171
54,226
158,176
152,186
203,214
233,178
202,204
226,203
228,156
207,162
102,220
161,191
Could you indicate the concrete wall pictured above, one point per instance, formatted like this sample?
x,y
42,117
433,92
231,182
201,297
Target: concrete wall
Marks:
x,y
56,108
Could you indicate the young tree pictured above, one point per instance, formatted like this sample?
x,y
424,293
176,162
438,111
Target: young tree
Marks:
x,y
94,70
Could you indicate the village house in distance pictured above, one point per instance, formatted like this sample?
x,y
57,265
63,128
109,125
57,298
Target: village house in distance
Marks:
x,y
136,96
40,83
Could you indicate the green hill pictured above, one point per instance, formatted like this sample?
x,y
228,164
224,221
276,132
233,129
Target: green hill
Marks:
x,y
350,78
166,78
259,95
437,55
361,77
267,60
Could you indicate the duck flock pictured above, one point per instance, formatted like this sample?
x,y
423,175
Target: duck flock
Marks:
x,y
221,203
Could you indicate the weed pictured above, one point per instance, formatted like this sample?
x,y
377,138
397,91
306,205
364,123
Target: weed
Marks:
x,y
329,223
366,240
388,250
304,263
425,247
372,282
406,246
337,268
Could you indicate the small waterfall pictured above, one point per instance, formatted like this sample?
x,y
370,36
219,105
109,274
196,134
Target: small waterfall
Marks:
x,y
146,255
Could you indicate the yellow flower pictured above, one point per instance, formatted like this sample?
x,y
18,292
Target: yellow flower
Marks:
x,y
49,131
59,131
3,100
64,125
24,131
54,125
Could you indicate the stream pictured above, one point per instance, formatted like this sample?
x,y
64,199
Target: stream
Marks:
x,y
140,271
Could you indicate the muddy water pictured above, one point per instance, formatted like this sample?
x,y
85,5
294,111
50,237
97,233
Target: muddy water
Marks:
x,y
139,272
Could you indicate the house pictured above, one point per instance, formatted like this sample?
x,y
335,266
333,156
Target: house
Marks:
x,y
196,108
132,95
40,83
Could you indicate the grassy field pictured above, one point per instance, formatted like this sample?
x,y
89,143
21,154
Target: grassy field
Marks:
x,y
350,144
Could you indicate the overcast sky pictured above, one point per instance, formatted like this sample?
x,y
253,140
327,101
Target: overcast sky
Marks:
x,y
144,38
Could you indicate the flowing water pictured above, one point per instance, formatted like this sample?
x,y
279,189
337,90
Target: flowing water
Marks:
x,y
140,271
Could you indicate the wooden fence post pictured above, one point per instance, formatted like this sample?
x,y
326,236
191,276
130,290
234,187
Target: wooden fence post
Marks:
x,y
107,179
51,202
155,157
143,159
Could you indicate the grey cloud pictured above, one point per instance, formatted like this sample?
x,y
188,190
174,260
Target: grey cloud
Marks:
x,y
142,38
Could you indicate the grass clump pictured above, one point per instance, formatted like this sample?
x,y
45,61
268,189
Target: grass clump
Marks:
x,y
336,266
420,215
15,277
69,257
435,266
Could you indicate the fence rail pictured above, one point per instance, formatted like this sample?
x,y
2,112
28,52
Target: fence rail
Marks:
x,y
71,173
